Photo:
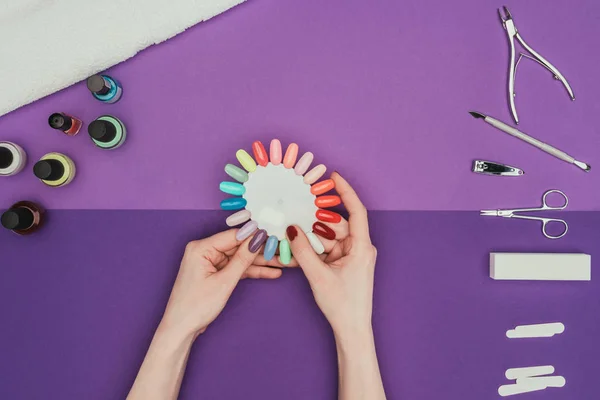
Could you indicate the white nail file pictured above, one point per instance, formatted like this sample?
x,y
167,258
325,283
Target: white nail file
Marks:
x,y
536,330
528,372
516,388
540,266
548,381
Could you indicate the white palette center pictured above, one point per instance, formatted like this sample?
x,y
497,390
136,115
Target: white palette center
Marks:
x,y
278,198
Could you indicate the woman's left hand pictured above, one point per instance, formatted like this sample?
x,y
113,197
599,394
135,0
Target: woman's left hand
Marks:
x,y
209,271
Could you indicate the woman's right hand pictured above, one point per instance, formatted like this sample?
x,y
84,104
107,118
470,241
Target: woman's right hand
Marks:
x,y
342,283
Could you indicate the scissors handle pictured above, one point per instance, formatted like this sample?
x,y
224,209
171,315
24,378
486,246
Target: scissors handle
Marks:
x,y
545,222
545,205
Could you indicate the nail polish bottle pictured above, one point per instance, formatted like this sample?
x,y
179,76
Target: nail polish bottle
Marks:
x,y
107,132
23,218
12,158
55,169
105,88
65,123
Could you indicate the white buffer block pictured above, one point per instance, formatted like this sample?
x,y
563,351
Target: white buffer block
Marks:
x,y
541,266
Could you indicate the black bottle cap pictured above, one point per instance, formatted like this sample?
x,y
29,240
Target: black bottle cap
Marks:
x,y
97,84
60,121
17,218
6,157
49,170
102,131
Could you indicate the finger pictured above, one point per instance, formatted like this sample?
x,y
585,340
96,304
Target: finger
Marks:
x,y
239,262
309,261
260,272
358,221
274,262
224,241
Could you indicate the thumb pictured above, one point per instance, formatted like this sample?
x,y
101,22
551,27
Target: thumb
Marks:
x,y
309,261
240,261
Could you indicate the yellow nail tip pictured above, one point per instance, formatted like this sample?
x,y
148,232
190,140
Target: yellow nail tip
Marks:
x,y
246,160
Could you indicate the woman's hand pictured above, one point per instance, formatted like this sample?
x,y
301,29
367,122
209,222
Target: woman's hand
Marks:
x,y
342,283
342,279
209,271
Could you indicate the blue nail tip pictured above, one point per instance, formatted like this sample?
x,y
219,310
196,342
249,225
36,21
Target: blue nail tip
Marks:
x,y
234,203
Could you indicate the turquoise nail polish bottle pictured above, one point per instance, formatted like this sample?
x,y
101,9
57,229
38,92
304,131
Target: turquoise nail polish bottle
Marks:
x,y
105,88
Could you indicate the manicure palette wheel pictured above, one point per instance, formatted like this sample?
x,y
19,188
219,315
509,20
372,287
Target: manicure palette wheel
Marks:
x,y
276,190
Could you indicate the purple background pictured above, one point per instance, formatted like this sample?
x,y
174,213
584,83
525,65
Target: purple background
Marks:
x,y
379,90
78,312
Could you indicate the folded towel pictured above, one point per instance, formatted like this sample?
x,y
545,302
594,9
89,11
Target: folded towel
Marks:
x,y
37,35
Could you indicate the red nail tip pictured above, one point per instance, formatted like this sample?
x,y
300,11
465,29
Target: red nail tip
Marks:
x,y
327,201
322,187
323,230
260,153
328,216
291,232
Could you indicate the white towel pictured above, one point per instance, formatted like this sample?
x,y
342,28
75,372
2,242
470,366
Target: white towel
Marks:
x,y
35,35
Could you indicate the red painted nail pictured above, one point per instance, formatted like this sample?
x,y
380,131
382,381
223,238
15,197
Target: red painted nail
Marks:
x,y
323,230
327,201
328,216
260,153
291,232
322,187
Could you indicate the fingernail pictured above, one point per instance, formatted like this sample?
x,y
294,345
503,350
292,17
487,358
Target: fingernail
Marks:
x,y
303,164
260,153
327,201
240,217
285,254
323,230
246,230
291,232
275,151
328,216
290,156
315,243
321,187
314,174
246,160
257,241
271,247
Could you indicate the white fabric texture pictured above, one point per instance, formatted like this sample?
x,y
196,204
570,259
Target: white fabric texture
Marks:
x,y
34,35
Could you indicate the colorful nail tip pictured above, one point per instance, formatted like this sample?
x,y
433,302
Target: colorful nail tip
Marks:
x,y
238,218
234,203
285,253
315,174
246,230
328,216
275,151
271,247
315,243
246,160
236,173
290,156
327,201
323,230
257,241
233,188
322,187
260,153
304,162
291,233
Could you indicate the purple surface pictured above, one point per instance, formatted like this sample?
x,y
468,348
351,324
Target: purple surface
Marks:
x,y
79,311
379,91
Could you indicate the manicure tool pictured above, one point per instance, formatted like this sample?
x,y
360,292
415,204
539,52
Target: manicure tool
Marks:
x,y
515,213
512,32
492,168
536,330
532,141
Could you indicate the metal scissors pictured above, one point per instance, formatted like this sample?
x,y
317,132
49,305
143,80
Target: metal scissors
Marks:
x,y
545,221
512,32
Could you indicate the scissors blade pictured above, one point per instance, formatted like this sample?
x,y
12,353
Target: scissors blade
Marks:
x,y
489,213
